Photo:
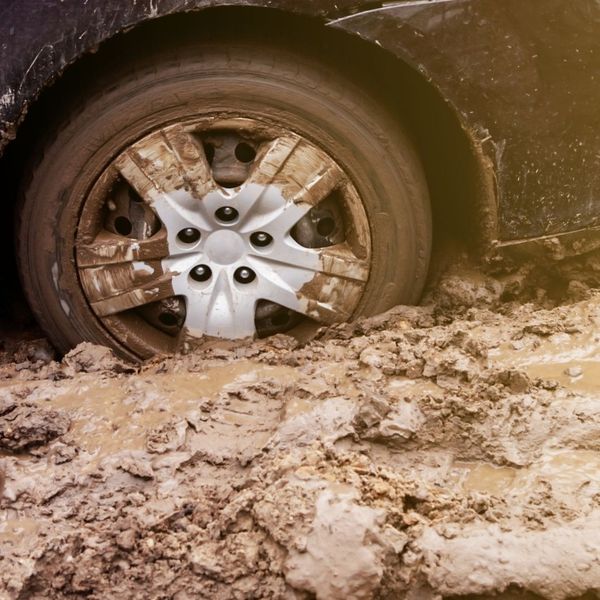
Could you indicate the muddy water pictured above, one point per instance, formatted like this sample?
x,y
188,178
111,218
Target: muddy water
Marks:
x,y
571,360
404,452
16,532
574,374
116,415
569,472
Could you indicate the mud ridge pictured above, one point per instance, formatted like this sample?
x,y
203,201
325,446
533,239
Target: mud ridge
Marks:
x,y
448,450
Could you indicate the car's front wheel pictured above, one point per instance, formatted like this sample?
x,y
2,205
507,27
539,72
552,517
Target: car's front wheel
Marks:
x,y
224,190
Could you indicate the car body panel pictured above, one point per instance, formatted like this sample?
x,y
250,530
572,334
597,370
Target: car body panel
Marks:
x,y
525,79
522,77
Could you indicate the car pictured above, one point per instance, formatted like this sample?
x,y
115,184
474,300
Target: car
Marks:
x,y
191,169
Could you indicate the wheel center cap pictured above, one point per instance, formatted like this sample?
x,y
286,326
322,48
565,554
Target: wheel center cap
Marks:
x,y
224,247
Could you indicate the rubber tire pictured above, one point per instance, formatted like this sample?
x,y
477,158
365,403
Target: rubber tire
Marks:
x,y
308,97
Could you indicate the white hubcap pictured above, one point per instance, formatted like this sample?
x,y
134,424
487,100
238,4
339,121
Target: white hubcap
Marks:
x,y
219,249
224,305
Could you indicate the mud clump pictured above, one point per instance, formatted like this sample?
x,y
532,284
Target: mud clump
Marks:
x,y
439,451
90,358
26,425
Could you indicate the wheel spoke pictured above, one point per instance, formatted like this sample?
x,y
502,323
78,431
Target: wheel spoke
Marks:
x,y
194,169
290,254
334,292
303,173
320,185
340,261
278,222
167,162
335,260
221,311
324,297
285,219
273,287
329,299
109,249
259,198
255,203
271,161
117,287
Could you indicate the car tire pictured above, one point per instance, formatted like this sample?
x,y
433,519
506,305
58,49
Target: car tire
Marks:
x,y
232,82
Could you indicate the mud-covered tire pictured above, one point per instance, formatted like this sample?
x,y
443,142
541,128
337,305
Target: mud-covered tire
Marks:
x,y
122,106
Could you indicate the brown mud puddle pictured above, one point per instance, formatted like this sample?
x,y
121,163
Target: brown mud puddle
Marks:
x,y
116,415
571,360
571,473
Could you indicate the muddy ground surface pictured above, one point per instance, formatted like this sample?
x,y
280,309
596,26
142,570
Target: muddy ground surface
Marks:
x,y
448,450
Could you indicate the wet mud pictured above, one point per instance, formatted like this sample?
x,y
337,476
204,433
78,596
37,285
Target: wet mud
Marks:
x,y
443,451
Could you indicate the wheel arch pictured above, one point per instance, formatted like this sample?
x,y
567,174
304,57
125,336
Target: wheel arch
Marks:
x,y
460,175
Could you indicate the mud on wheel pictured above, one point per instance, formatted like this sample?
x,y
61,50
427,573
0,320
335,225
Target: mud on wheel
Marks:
x,y
220,194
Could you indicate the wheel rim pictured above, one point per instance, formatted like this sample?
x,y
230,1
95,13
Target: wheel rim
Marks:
x,y
224,228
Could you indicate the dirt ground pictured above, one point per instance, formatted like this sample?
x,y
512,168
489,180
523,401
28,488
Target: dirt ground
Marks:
x,y
442,451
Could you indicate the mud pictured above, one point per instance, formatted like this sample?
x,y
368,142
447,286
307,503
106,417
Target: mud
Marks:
x,y
442,451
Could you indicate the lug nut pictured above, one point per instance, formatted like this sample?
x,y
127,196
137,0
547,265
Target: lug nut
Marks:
x,y
201,273
189,235
261,239
244,275
226,214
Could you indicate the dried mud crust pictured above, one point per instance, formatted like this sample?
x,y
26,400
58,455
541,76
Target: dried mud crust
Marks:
x,y
440,451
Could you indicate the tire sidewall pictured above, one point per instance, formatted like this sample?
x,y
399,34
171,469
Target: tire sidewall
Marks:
x,y
367,143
